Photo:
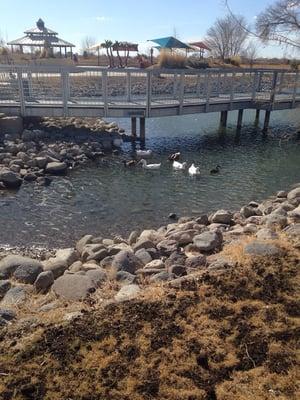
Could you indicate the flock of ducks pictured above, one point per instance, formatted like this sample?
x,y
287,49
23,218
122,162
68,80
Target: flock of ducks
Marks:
x,y
177,166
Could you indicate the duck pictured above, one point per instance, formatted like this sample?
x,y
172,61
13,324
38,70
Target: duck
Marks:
x,y
177,165
194,170
215,170
130,163
149,166
174,156
144,153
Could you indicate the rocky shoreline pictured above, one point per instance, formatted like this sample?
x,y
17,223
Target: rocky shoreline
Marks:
x,y
51,146
171,255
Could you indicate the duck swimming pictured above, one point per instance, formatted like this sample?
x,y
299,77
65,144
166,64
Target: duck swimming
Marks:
x,y
177,165
194,170
130,163
149,166
215,170
174,156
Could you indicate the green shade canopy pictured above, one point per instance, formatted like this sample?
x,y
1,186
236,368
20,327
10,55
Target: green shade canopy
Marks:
x,y
170,43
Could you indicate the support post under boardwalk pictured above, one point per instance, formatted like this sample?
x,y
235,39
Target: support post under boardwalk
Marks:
x,y
256,121
142,128
223,121
240,119
133,127
267,121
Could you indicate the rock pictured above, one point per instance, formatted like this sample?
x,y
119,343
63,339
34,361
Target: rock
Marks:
x,y
202,220
162,276
261,248
293,231
266,234
294,195
177,270
208,241
222,217
10,263
27,273
41,162
172,216
125,277
72,316
67,256
133,237
147,271
152,235
128,292
249,229
10,179
97,276
282,194
97,255
275,220
143,244
11,125
5,285
195,261
156,264
87,239
73,287
249,211
57,267
295,214
16,295
167,246
116,248
220,263
6,314
44,281
28,136
75,267
144,256
106,263
175,258
56,168
183,237
126,261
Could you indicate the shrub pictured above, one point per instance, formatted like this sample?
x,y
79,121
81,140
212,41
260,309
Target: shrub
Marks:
x,y
3,51
234,60
198,64
171,60
294,64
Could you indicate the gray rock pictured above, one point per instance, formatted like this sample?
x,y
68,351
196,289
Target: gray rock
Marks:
x,y
133,237
126,261
293,195
156,264
147,271
44,281
125,277
57,267
117,248
260,248
98,255
167,246
162,276
10,179
220,263
222,217
144,256
177,270
68,255
83,242
143,244
196,261
202,220
75,267
175,258
7,314
208,241
106,263
275,220
97,276
248,211
295,214
27,273
16,295
73,287
41,162
266,234
293,231
128,292
282,194
10,263
5,285
56,168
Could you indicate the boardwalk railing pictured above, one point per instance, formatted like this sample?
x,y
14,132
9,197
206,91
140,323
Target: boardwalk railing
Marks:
x,y
79,91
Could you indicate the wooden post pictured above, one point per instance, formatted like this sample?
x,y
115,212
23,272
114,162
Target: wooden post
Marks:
x,y
256,121
266,121
142,129
133,127
240,119
223,120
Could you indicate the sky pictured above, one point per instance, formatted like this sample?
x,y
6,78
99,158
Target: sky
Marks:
x,y
130,20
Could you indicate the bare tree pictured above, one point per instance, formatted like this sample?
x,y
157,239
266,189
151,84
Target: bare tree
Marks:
x,y
227,37
280,23
251,52
86,43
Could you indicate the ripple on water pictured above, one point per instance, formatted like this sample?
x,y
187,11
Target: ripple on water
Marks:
x,y
107,199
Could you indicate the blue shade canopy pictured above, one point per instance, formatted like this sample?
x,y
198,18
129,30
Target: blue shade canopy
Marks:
x,y
170,43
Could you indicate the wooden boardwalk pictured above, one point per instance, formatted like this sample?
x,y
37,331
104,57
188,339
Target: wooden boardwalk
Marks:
x,y
100,92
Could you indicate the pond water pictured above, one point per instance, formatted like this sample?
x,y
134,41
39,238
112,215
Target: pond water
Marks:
x,y
105,199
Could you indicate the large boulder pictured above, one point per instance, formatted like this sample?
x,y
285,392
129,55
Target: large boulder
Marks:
x,y
266,234
143,244
9,264
261,248
27,273
208,241
275,220
126,261
15,296
294,195
56,168
167,246
56,266
68,256
44,281
195,261
73,287
5,285
293,231
128,292
87,239
222,217
10,179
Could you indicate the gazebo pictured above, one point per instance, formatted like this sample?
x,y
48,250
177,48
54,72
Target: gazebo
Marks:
x,y
42,38
199,46
170,43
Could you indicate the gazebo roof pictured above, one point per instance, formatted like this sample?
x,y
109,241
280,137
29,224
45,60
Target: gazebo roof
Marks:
x,y
200,45
170,42
36,30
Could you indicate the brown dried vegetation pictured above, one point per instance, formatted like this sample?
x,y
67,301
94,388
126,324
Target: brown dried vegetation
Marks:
x,y
230,336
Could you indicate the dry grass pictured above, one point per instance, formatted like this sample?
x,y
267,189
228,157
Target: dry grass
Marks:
x,y
171,60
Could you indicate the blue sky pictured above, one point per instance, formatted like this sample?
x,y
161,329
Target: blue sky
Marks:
x,y
131,20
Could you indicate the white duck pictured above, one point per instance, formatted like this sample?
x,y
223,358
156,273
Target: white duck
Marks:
x,y
149,166
177,165
144,153
194,170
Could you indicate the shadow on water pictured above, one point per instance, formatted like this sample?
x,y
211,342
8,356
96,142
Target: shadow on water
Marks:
x,y
106,198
